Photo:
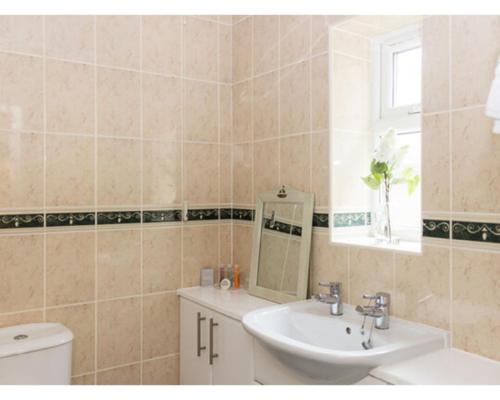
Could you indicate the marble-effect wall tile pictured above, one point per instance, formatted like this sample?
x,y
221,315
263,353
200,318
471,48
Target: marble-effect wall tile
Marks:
x,y
21,171
70,97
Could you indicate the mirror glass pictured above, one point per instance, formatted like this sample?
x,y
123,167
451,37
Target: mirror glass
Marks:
x,y
279,256
281,245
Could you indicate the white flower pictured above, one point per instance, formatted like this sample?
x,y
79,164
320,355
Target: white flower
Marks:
x,y
386,150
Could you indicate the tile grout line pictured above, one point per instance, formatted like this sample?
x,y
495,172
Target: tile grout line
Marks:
x,y
279,100
82,303
44,90
450,150
394,303
347,55
450,109
141,168
349,295
162,357
219,147
183,177
252,110
231,155
274,70
310,109
113,67
96,240
339,28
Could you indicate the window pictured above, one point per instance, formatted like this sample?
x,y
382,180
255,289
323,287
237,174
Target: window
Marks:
x,y
375,87
397,98
406,77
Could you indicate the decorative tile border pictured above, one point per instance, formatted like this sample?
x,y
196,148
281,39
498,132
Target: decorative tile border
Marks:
x,y
151,216
345,220
320,220
14,221
296,230
483,232
118,217
282,227
70,219
243,214
226,213
476,231
436,228
203,214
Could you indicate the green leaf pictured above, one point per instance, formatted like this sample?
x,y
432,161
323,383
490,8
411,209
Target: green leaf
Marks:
x,y
407,173
413,183
377,167
372,181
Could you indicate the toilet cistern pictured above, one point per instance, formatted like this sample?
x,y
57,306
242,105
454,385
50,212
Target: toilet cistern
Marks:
x,y
35,354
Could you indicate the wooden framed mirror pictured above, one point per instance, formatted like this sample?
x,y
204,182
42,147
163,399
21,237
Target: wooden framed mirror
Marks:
x,y
281,245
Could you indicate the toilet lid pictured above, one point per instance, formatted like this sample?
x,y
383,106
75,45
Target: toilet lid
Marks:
x,y
26,338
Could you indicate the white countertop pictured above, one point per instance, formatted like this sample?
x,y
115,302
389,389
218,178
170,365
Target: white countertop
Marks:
x,y
233,302
442,367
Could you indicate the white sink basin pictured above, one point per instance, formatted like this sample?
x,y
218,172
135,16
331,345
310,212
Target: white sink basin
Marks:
x,y
328,349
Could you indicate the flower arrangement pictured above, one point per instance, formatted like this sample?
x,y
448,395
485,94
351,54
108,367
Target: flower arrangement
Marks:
x,y
386,170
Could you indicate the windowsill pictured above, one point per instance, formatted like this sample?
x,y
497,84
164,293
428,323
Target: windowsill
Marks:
x,y
403,246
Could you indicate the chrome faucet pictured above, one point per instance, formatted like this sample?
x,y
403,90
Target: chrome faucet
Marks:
x,y
334,298
379,311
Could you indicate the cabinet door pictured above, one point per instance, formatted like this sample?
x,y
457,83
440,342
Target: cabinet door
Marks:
x,y
234,348
194,365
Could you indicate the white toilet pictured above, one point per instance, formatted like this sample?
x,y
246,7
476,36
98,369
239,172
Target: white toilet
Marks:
x,y
35,354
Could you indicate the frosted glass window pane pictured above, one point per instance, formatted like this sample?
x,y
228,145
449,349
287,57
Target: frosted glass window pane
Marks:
x,y
407,77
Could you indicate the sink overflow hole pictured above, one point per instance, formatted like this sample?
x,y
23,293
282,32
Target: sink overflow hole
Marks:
x,y
348,330
20,337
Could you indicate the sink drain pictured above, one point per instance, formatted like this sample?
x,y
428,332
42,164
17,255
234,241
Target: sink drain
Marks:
x,y
348,330
20,337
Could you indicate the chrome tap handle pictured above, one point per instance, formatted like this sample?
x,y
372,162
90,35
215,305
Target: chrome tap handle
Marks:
x,y
380,311
335,287
328,284
334,299
381,298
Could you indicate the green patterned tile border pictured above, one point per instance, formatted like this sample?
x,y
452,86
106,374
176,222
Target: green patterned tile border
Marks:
x,y
484,232
16,221
476,231
320,220
346,220
436,228
70,219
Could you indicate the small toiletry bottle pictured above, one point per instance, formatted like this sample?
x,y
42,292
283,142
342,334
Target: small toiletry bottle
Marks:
x,y
221,273
230,274
236,276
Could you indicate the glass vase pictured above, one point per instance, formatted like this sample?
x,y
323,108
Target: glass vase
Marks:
x,y
382,220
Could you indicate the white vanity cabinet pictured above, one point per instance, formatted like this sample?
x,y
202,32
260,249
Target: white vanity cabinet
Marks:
x,y
194,364
215,349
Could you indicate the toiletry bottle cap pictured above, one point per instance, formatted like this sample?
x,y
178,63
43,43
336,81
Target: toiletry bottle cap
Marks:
x,y
225,284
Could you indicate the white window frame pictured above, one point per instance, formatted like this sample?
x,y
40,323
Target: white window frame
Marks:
x,y
404,119
384,47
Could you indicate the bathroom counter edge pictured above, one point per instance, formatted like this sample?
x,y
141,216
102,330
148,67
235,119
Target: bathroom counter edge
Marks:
x,y
233,303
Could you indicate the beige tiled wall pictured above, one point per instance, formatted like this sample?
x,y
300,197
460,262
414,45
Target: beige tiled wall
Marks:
x,y
280,96
137,113
113,113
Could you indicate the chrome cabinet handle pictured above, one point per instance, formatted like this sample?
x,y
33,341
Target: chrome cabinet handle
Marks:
x,y
212,355
199,347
